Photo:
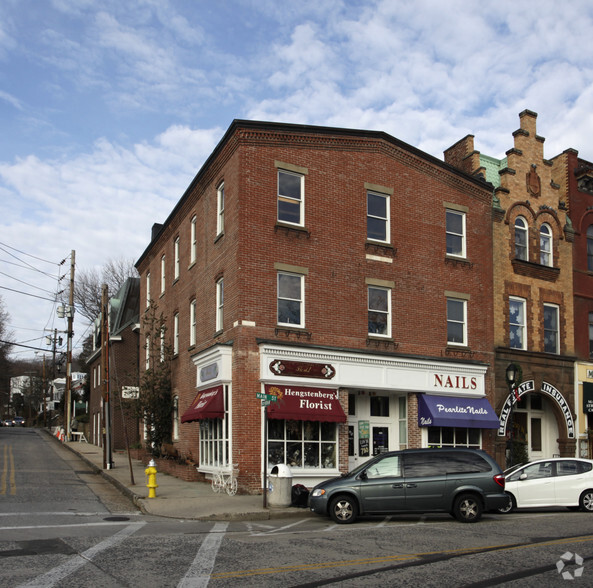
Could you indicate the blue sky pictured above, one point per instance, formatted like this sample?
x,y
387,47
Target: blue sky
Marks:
x,y
109,108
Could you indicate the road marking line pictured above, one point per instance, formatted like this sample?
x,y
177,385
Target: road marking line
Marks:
x,y
55,576
73,525
198,574
8,473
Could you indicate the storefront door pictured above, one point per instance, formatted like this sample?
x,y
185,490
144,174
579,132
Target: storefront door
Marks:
x,y
372,426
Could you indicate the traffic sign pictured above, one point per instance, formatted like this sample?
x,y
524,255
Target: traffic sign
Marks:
x,y
270,397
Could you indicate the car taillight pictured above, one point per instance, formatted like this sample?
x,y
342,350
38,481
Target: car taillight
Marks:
x,y
499,479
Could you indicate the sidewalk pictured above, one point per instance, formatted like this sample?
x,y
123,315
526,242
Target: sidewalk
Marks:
x,y
176,498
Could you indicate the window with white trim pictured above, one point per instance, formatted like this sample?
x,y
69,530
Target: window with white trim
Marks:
x,y
551,322
379,311
220,209
175,432
302,444
215,439
517,325
176,333
455,228
521,240
163,264
456,321
378,217
545,245
193,237
291,194
176,259
147,289
291,299
192,323
162,344
454,437
147,348
219,304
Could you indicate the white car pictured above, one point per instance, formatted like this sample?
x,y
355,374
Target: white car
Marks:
x,y
563,481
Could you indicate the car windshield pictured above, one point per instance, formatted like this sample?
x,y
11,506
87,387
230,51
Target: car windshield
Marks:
x,y
512,469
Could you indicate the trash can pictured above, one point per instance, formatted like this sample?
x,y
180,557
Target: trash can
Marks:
x,y
280,486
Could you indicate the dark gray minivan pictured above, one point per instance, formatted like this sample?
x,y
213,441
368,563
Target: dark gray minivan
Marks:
x,y
463,482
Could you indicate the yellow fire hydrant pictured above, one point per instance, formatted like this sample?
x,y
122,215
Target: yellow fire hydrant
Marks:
x,y
151,484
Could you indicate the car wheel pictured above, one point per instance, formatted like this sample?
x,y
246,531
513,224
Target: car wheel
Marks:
x,y
467,508
586,501
510,506
343,509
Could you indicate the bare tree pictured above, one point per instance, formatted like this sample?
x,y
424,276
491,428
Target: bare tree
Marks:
x,y
88,285
6,341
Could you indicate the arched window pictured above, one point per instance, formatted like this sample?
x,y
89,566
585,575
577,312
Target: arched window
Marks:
x,y
590,248
545,245
521,241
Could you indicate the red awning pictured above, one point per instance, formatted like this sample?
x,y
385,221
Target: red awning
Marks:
x,y
302,403
208,404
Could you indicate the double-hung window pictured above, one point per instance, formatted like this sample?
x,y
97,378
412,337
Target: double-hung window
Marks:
x,y
147,289
551,340
193,237
456,321
176,259
545,245
590,248
220,209
291,201
379,311
291,299
192,323
378,217
517,328
176,333
163,268
455,229
521,241
219,304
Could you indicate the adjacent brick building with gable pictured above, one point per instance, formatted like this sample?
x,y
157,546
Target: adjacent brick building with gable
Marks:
x,y
533,292
344,273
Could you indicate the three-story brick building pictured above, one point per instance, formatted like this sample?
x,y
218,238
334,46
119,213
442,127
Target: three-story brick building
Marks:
x,y
343,274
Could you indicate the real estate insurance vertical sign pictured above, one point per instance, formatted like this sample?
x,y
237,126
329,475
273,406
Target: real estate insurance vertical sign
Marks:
x,y
588,397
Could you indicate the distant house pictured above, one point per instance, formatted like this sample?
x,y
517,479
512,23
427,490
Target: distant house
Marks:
x,y
122,369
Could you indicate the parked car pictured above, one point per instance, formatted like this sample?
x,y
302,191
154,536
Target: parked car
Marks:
x,y
562,481
7,422
462,482
18,421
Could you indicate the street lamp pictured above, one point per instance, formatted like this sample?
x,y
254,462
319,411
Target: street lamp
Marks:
x,y
511,376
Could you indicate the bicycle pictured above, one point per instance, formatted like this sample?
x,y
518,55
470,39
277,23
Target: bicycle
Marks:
x,y
222,481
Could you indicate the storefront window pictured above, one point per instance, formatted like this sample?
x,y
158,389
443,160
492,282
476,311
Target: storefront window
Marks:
x,y
454,437
302,444
214,440
380,406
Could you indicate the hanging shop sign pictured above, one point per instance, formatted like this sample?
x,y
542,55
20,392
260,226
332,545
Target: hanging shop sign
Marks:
x,y
305,403
302,369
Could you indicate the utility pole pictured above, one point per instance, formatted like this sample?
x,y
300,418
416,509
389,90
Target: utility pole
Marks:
x,y
70,334
107,457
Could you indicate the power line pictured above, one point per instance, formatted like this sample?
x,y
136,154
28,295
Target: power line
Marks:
x,y
27,294
28,255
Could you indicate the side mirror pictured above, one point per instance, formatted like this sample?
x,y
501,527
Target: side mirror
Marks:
x,y
523,476
363,475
